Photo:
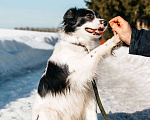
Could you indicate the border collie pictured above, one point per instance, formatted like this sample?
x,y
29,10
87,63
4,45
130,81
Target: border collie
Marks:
x,y
65,91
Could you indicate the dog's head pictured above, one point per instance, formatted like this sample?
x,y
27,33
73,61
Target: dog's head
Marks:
x,y
84,22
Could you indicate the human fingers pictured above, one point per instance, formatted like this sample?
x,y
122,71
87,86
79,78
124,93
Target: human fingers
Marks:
x,y
115,27
117,19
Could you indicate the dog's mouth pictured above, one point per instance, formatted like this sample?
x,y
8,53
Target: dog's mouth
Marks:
x,y
95,31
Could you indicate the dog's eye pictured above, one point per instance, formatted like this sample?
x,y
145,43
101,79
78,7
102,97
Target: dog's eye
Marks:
x,y
89,16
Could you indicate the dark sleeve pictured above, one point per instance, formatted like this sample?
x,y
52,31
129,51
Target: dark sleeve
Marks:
x,y
140,42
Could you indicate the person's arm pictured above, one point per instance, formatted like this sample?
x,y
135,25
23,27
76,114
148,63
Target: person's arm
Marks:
x,y
140,42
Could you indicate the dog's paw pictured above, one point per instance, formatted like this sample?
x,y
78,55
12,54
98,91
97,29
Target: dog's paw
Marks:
x,y
116,39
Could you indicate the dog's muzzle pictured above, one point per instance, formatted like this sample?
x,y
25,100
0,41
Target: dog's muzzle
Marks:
x,y
95,31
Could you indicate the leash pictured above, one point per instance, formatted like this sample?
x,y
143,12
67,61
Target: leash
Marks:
x,y
99,101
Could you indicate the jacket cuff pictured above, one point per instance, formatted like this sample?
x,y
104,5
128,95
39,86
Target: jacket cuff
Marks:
x,y
133,46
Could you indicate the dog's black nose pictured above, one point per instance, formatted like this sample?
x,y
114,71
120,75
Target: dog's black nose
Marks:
x,y
103,22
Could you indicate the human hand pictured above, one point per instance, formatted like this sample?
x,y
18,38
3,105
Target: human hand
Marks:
x,y
122,28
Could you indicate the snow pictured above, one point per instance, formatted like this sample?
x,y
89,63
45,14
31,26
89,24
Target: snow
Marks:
x,y
21,109
24,49
37,40
124,86
124,80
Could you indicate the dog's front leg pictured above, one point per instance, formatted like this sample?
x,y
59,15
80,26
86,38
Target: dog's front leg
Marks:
x,y
85,71
103,50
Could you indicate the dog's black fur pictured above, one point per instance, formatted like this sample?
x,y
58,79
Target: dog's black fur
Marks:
x,y
54,80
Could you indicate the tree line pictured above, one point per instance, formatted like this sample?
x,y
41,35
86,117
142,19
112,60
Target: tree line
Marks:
x,y
38,29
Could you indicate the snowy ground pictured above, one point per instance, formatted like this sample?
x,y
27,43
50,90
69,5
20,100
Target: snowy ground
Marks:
x,y
124,81
124,86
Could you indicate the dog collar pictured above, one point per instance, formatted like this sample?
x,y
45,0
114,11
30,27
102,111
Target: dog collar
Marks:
x,y
80,45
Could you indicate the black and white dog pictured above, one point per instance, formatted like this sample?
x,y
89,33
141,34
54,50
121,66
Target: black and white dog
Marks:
x,y
65,91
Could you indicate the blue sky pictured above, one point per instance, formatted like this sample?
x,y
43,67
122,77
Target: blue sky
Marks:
x,y
35,13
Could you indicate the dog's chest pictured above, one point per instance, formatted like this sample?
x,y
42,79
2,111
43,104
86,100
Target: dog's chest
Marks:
x,y
69,55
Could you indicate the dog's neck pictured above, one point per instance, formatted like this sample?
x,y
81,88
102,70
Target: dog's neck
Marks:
x,y
83,41
89,43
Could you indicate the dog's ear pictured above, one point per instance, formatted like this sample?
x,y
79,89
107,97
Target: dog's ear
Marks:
x,y
69,17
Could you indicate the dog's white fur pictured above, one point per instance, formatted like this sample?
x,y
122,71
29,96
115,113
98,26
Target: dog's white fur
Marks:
x,y
79,103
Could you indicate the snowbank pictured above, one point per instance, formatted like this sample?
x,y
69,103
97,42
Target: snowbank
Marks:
x,y
20,50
